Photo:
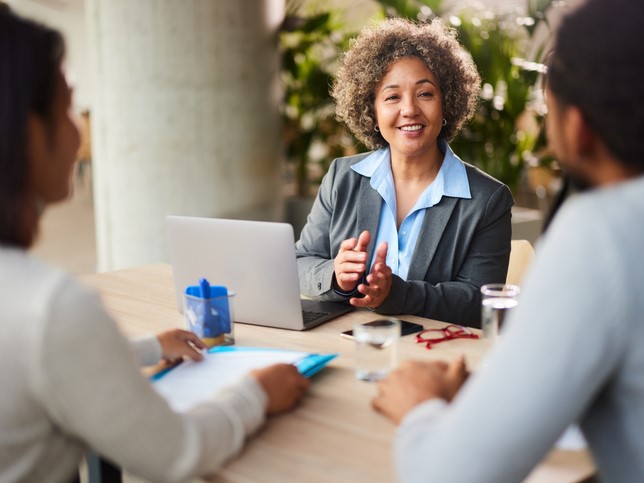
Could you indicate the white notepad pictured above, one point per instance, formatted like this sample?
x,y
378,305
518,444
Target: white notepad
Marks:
x,y
192,382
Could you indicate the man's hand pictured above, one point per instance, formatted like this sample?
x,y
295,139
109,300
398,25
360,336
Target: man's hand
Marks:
x,y
415,382
284,386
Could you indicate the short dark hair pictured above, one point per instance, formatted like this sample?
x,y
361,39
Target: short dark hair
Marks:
x,y
30,58
598,66
371,56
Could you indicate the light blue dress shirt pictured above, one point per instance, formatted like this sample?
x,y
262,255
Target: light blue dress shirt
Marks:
x,y
450,181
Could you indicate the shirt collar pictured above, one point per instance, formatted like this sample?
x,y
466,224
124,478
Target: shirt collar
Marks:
x,y
455,182
451,179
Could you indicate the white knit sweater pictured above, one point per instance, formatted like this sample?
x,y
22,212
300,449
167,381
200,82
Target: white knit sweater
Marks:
x,y
69,380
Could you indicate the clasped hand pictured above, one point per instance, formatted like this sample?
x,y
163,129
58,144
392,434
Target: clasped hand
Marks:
x,y
415,382
351,263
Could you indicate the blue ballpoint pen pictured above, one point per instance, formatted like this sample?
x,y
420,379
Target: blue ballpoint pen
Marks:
x,y
205,288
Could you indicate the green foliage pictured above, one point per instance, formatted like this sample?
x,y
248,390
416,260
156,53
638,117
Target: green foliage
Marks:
x,y
414,9
310,46
495,139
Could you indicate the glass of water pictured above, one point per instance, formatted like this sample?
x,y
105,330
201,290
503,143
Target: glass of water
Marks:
x,y
497,299
376,348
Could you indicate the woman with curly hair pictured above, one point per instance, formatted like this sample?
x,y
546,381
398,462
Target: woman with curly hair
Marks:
x,y
407,228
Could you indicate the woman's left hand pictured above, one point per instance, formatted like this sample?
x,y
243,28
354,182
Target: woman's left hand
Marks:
x,y
178,343
379,282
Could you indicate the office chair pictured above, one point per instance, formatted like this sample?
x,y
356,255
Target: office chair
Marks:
x,y
521,255
101,471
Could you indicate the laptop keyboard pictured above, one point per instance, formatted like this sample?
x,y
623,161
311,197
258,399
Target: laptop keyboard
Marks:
x,y
311,316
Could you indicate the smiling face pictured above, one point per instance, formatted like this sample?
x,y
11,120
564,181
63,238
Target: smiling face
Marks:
x,y
409,110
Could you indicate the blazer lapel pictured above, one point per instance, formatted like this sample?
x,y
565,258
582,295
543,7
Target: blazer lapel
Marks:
x,y
369,207
434,223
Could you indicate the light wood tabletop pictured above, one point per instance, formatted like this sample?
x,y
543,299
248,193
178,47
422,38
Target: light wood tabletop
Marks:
x,y
334,435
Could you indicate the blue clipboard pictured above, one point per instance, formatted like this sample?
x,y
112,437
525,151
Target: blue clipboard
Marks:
x,y
307,366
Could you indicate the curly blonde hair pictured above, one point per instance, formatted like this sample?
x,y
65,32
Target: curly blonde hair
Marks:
x,y
372,54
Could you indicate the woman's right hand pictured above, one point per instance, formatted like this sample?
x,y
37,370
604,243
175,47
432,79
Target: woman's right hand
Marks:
x,y
351,262
284,386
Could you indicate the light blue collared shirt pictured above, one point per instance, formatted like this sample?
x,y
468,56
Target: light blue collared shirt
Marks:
x,y
451,180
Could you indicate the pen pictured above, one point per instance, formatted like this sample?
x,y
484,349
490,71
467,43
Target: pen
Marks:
x,y
205,288
203,352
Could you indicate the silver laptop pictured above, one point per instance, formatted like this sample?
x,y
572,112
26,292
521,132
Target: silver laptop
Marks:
x,y
253,259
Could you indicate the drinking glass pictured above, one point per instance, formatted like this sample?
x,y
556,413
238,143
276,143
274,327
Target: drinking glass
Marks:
x,y
376,348
497,299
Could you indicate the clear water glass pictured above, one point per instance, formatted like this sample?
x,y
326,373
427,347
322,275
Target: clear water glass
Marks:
x,y
497,299
376,348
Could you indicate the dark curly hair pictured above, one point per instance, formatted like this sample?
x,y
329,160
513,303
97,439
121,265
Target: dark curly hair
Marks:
x,y
597,65
372,54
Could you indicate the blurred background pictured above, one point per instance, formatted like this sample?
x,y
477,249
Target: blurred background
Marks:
x,y
221,108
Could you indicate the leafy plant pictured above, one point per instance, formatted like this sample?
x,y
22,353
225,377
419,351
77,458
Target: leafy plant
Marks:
x,y
310,46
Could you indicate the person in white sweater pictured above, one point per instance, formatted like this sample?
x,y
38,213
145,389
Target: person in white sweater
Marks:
x,y
69,380
574,346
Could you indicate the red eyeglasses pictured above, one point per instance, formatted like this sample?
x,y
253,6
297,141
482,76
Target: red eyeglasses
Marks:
x,y
434,336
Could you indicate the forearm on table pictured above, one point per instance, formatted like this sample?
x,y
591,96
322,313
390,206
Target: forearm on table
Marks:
x,y
136,429
222,426
413,440
147,349
484,437
456,302
507,416
95,393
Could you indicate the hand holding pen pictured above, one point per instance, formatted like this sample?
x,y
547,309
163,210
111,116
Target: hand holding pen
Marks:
x,y
177,343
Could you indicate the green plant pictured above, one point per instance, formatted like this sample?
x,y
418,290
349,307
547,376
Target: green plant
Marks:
x,y
310,45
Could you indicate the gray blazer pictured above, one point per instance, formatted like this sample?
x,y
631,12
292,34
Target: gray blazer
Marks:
x,y
462,245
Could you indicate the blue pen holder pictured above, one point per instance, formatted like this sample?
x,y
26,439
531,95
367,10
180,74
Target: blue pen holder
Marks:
x,y
210,318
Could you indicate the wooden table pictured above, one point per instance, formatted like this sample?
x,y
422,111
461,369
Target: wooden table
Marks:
x,y
334,435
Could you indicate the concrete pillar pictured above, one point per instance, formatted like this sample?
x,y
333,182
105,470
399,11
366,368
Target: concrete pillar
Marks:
x,y
185,118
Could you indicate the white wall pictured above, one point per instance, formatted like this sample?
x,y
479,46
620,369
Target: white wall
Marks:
x,y
185,119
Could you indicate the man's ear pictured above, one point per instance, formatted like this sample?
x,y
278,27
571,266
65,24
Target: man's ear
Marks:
x,y
581,136
36,138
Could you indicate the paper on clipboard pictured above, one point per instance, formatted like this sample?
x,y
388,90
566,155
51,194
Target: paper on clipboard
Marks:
x,y
193,382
